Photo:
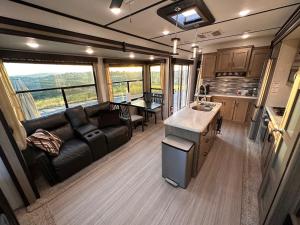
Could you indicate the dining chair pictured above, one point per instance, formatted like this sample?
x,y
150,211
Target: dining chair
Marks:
x,y
158,98
134,118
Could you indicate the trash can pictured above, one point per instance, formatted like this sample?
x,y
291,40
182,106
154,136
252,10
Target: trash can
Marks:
x,y
177,160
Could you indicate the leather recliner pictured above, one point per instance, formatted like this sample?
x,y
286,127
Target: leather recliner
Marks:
x,y
74,154
116,135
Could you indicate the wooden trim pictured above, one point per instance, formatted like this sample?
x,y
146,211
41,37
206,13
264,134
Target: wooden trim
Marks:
x,y
132,62
112,44
289,26
7,210
86,21
13,177
233,48
34,57
181,61
21,160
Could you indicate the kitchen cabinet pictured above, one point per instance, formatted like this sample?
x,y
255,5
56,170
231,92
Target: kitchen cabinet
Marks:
x,y
233,60
240,110
235,109
240,59
227,108
224,59
258,59
209,65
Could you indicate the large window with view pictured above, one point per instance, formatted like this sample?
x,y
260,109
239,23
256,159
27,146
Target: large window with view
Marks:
x,y
44,89
124,80
155,77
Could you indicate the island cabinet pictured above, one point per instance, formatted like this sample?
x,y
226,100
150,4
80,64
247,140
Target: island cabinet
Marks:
x,y
234,109
233,60
258,59
227,108
209,65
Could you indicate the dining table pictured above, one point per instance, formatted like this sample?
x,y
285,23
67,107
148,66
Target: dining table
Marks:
x,y
143,105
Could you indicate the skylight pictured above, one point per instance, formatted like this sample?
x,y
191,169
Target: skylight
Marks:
x,y
187,17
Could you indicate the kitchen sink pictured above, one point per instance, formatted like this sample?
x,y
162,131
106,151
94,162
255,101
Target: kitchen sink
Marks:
x,y
205,108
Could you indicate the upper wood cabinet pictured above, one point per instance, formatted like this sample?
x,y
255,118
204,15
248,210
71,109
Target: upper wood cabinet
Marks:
x,y
224,59
209,65
258,59
233,60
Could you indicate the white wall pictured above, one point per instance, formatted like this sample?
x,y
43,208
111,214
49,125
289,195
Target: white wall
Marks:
x,y
280,89
257,42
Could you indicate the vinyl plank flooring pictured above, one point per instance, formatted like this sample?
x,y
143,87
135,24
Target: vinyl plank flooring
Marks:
x,y
128,188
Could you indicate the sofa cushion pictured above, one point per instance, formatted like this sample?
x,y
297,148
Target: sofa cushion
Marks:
x,y
116,136
109,118
48,123
45,141
74,155
64,132
76,116
95,110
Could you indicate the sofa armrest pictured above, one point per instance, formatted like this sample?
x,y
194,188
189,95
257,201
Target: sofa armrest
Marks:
x,y
85,129
44,164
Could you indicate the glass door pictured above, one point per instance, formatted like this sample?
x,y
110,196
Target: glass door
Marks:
x,y
180,86
288,137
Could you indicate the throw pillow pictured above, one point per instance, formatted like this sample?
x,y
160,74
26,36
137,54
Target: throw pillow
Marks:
x,y
109,118
45,141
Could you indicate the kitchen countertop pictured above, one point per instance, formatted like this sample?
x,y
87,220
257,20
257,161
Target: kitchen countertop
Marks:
x,y
276,120
192,120
228,95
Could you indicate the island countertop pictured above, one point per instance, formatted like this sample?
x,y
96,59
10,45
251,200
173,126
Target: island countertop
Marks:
x,y
193,120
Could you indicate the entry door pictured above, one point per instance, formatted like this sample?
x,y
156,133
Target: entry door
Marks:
x,y
289,134
180,86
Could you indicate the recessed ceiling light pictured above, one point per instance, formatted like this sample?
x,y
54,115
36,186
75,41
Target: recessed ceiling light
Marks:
x,y
89,51
245,35
32,44
151,57
115,11
244,12
131,55
166,32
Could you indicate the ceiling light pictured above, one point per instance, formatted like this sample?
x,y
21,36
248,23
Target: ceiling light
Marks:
x,y
151,57
32,44
244,12
166,32
131,55
245,35
89,51
115,11
189,12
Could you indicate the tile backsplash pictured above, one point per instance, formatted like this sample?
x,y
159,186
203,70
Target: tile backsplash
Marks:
x,y
226,85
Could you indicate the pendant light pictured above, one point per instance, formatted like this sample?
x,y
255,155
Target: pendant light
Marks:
x,y
176,40
195,51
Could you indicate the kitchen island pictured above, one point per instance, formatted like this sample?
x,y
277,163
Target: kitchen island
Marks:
x,y
196,123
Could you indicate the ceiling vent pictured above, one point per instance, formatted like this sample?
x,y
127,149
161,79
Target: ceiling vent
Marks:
x,y
187,14
209,34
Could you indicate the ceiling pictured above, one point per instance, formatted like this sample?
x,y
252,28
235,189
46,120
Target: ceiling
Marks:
x,y
145,26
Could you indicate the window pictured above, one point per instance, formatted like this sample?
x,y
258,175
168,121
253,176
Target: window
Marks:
x,y
45,89
126,79
180,86
155,79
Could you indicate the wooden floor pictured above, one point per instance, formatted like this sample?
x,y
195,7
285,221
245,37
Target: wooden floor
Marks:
x,y
129,189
